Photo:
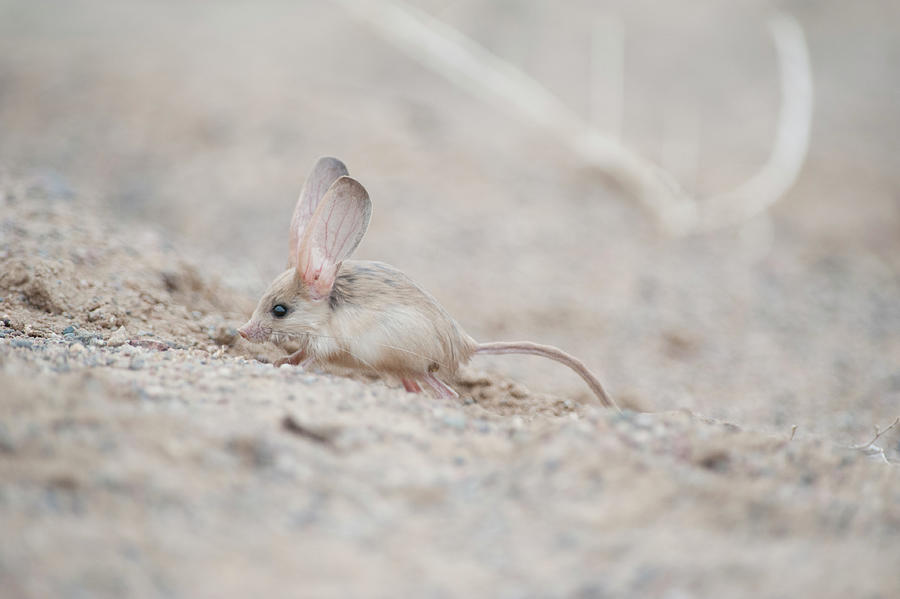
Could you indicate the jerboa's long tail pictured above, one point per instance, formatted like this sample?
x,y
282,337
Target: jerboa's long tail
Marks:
x,y
554,353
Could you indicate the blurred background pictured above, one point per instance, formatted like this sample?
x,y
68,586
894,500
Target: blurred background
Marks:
x,y
202,118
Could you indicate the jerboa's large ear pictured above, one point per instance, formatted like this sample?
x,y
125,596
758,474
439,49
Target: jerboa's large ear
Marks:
x,y
326,171
335,229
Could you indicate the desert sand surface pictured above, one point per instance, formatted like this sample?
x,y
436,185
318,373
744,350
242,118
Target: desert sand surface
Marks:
x,y
150,156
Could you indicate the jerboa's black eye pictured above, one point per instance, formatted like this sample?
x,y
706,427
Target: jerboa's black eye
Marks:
x,y
279,310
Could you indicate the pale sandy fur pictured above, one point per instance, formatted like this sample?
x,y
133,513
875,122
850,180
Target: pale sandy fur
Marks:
x,y
376,319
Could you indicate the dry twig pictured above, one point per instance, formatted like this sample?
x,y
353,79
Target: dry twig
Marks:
x,y
872,450
878,434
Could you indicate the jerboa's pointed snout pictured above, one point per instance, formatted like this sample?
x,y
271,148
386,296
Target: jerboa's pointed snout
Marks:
x,y
250,331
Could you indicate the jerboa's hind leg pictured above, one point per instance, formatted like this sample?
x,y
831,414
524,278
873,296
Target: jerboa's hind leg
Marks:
x,y
443,390
411,386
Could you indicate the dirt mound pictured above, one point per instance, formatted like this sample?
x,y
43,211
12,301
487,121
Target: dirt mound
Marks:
x,y
64,270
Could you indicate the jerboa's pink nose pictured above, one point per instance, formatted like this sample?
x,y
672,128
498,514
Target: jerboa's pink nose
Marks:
x,y
244,331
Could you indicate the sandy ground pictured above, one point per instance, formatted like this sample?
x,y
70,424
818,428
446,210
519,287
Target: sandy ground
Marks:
x,y
149,158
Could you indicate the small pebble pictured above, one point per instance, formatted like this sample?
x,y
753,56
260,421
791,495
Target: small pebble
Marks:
x,y
119,337
455,421
137,363
76,348
86,339
69,330
22,343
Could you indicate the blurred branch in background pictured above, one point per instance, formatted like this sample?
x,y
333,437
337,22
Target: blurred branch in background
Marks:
x,y
791,134
484,74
